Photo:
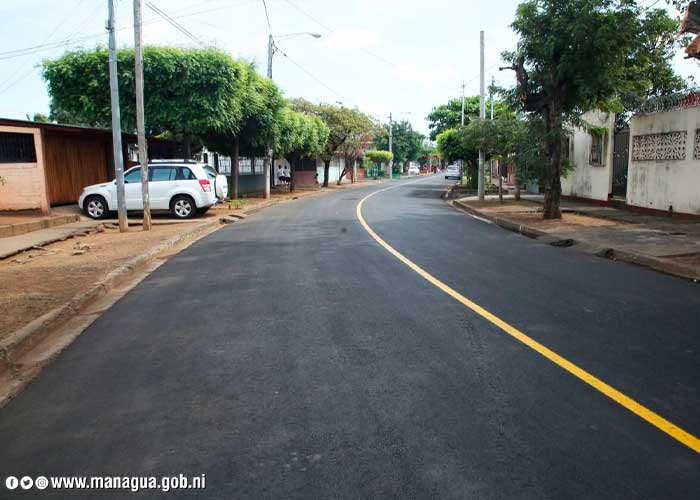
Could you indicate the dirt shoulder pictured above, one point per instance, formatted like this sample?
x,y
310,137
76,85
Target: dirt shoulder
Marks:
x,y
35,282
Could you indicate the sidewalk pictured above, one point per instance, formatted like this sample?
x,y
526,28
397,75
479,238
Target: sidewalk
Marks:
x,y
666,244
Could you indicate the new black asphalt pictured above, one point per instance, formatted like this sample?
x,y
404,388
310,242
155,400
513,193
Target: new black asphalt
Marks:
x,y
290,356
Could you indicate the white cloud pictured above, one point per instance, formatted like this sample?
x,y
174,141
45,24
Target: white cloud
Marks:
x,y
352,38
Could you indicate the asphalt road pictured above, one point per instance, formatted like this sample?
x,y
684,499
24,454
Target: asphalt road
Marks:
x,y
290,356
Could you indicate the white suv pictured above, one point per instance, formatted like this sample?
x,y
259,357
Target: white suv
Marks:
x,y
178,186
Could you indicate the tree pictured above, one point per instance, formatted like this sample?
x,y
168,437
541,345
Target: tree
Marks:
x,y
352,150
376,156
299,136
189,92
570,57
447,116
406,143
452,146
262,105
344,124
648,69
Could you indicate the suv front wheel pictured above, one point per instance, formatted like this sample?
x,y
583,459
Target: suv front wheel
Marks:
x,y
183,207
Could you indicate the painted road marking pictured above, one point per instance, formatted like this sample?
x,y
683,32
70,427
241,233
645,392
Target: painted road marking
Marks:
x,y
638,409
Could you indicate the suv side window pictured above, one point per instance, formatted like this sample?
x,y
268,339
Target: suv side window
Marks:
x,y
163,174
133,177
185,174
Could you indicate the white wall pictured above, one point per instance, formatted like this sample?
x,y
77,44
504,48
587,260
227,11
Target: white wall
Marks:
x,y
586,180
656,180
334,171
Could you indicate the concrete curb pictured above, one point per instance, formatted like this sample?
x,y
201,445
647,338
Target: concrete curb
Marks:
x,y
28,227
655,263
24,339
528,231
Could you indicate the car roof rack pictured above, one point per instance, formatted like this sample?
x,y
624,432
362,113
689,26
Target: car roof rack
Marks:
x,y
174,160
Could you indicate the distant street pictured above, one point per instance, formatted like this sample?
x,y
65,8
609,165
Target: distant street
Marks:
x,y
291,356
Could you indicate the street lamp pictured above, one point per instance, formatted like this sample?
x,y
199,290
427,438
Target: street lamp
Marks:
x,y
271,49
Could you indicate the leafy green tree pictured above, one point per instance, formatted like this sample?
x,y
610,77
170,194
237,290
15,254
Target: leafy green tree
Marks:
x,y
262,105
570,57
447,116
452,146
406,143
377,157
188,92
344,125
648,69
299,136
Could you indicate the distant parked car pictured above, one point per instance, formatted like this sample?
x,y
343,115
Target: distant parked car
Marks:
x,y
453,172
413,170
181,187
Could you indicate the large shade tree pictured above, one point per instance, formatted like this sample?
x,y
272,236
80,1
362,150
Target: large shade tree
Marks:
x,y
344,125
262,105
188,92
299,136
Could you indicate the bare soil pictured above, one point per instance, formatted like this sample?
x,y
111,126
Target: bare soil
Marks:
x,y
568,221
34,282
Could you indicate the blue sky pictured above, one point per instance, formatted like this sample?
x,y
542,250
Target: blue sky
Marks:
x,y
399,56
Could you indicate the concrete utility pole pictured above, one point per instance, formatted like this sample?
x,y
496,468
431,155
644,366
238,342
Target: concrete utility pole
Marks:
x,y
391,144
482,115
462,121
267,163
116,125
140,125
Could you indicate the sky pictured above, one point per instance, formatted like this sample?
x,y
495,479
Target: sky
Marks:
x,y
383,56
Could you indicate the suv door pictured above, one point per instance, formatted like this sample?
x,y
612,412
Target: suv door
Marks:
x,y
132,189
161,179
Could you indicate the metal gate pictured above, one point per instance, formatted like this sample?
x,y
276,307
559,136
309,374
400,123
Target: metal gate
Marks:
x,y
621,147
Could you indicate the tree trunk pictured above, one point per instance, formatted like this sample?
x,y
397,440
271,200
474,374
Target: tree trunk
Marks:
x,y
342,174
234,170
552,187
188,148
517,183
500,182
326,172
353,176
292,162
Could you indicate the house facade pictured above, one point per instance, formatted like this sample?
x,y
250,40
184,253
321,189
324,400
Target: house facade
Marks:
x,y
47,164
664,161
590,153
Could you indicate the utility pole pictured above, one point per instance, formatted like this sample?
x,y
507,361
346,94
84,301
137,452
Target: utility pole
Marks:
x,y
391,140
462,121
267,163
140,125
491,90
482,116
116,125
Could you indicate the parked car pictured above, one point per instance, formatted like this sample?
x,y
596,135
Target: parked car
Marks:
x,y
413,170
181,187
453,172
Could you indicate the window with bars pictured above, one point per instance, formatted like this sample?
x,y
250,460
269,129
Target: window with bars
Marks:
x,y
17,148
597,149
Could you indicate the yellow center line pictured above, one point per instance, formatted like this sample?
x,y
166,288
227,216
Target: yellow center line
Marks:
x,y
638,409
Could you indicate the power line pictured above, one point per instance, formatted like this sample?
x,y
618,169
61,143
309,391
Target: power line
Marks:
x,y
267,16
332,31
174,23
311,75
